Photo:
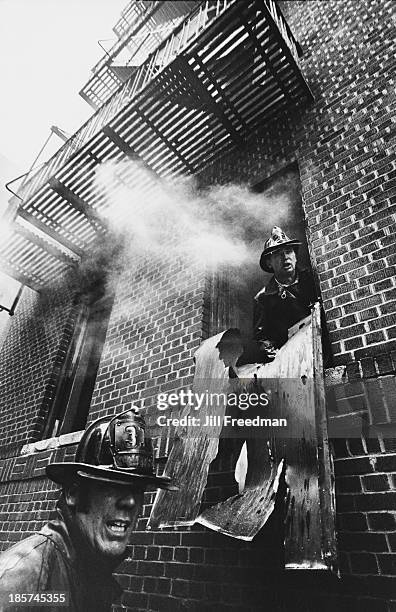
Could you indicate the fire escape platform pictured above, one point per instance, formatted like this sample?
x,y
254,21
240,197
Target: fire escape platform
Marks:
x,y
228,69
141,28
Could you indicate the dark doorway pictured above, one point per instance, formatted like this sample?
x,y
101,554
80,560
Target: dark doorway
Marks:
x,y
232,291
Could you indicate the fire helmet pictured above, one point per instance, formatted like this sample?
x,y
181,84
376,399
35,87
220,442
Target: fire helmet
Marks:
x,y
277,240
113,449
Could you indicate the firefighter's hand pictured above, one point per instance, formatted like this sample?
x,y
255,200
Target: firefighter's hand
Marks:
x,y
269,349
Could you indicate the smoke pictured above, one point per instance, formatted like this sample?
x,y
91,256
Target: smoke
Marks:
x,y
221,225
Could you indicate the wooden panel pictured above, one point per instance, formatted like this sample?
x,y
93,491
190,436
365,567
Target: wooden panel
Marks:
x,y
295,381
194,448
299,451
325,463
296,402
243,515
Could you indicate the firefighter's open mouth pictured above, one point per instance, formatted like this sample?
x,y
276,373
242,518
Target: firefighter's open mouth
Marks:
x,y
118,527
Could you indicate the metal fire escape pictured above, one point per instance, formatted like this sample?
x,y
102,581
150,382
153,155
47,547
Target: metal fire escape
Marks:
x,y
227,68
142,26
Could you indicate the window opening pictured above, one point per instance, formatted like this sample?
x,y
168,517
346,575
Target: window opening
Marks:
x,y
74,393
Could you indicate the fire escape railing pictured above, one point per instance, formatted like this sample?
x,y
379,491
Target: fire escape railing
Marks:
x,y
128,17
168,50
135,17
123,37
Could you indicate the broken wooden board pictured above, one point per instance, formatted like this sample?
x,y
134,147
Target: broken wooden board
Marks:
x,y
325,459
295,399
285,380
242,516
310,512
295,383
194,448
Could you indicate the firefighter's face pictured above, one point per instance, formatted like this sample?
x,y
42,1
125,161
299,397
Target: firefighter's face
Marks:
x,y
107,518
283,262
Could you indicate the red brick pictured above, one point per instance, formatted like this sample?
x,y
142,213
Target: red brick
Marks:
x,y
386,463
375,482
344,467
382,521
371,542
353,521
387,563
375,501
364,563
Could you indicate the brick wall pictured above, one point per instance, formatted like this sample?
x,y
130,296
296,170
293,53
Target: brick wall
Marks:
x,y
342,145
366,502
30,360
25,507
348,168
154,329
27,497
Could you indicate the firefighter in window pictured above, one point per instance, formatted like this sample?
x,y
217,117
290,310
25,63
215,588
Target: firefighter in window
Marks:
x,y
286,299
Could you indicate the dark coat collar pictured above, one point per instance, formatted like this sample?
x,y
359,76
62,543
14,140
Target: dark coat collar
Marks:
x,y
271,288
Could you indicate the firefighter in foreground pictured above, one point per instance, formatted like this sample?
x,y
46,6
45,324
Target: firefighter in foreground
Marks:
x,y
73,556
286,299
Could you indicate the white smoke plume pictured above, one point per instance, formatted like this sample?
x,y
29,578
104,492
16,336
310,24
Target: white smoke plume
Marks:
x,y
219,225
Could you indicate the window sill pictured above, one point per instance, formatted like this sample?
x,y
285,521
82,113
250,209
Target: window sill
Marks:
x,y
52,443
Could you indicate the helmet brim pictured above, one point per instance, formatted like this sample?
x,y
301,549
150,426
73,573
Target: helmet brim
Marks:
x,y
62,473
267,252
